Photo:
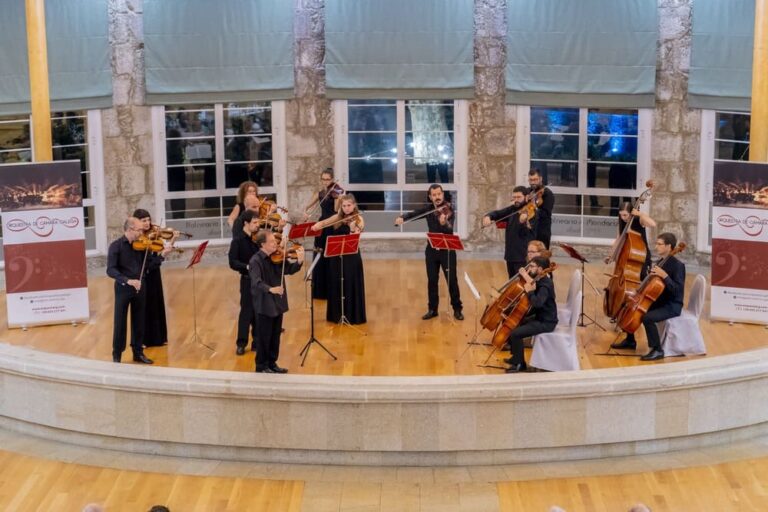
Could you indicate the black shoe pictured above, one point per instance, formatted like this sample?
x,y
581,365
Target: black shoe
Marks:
x,y
240,350
264,370
457,314
141,358
429,314
517,368
507,347
653,355
508,360
627,343
277,369
115,359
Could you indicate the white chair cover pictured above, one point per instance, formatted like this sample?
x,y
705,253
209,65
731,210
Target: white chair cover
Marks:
x,y
564,311
558,350
682,335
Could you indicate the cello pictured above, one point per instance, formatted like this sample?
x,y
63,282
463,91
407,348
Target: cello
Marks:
x,y
629,256
636,305
508,295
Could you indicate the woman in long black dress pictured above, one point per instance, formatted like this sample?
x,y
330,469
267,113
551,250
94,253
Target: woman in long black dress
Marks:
x,y
156,327
347,221
247,188
327,197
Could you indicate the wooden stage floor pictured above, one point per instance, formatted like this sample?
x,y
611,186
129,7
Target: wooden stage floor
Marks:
x,y
394,342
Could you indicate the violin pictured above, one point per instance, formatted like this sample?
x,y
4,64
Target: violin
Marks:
x,y
268,214
281,254
636,305
334,191
165,233
145,243
443,208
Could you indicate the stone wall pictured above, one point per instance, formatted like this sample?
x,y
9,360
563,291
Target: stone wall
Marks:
x,y
129,172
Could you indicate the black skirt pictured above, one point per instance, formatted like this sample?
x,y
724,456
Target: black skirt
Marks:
x,y
354,289
156,328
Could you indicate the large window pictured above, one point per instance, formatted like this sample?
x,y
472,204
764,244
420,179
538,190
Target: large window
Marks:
x,y
592,159
388,152
75,136
724,137
206,152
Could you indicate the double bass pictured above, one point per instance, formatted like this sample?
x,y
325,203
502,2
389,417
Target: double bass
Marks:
x,y
629,256
636,305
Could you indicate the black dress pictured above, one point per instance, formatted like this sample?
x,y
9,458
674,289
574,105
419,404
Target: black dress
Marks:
x,y
320,273
155,326
354,285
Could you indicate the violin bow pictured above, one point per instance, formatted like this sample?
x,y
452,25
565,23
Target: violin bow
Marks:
x,y
334,184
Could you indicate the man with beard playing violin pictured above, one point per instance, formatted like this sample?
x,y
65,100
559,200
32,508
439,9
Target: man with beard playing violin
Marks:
x,y
517,233
440,219
543,313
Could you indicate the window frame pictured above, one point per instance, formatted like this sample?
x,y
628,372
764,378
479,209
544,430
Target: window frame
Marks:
x,y
279,186
460,165
523,163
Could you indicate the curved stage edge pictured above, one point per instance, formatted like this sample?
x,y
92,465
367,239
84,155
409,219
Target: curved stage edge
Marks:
x,y
382,421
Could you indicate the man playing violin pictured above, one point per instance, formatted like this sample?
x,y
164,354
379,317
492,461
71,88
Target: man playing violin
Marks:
x,y
670,302
270,300
517,233
543,221
241,250
440,220
126,265
543,313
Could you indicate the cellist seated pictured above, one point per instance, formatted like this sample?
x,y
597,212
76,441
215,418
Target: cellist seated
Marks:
x,y
543,317
668,305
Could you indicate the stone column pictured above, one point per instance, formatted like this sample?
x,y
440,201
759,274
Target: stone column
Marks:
x,y
492,125
127,129
676,129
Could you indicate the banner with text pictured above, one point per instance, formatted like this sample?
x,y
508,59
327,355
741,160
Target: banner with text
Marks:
x,y
739,242
44,243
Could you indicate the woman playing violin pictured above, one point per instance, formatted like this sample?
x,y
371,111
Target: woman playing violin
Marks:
x,y
327,198
156,327
247,188
347,220
541,294
518,232
440,219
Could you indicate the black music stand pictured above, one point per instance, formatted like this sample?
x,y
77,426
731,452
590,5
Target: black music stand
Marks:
x,y
342,245
193,261
573,253
447,242
312,339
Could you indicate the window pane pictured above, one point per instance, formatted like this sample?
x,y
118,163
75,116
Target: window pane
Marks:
x,y
373,170
367,118
558,174
605,175
612,149
732,126
566,217
68,129
617,122
185,122
727,150
89,220
247,119
259,172
380,209
368,145
428,116
15,145
554,120
555,146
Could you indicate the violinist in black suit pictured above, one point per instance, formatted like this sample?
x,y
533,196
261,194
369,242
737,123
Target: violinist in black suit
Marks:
x,y
517,233
543,221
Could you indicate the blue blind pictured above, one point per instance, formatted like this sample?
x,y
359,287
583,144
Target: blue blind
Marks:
x,y
218,51
721,54
399,49
585,53
79,70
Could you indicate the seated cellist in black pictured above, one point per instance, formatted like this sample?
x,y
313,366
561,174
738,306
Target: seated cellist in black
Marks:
x,y
670,302
543,317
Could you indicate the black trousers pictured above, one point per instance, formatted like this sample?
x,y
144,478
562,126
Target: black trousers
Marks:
x,y
268,341
517,335
126,297
544,233
247,318
446,260
513,267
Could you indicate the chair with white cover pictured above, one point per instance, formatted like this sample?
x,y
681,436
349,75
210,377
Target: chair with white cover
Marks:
x,y
682,335
564,311
557,350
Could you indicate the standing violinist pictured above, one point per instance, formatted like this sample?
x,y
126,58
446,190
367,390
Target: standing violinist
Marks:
x,y
125,265
246,188
270,299
155,323
543,219
543,317
241,250
517,233
347,221
328,199
439,220
670,302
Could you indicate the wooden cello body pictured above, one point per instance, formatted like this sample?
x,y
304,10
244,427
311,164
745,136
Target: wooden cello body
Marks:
x,y
508,295
629,256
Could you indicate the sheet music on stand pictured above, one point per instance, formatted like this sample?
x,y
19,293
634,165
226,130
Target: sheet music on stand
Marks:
x,y
573,253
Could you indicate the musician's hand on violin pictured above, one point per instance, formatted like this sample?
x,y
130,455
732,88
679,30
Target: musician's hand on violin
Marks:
x,y
135,283
399,221
300,254
486,221
316,226
443,219
657,270
281,224
607,259
523,218
276,290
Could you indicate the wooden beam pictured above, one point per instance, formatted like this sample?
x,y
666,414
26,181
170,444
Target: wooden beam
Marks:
x,y
758,133
37,50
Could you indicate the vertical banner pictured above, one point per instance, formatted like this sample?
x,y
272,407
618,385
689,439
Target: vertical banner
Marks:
x,y
44,243
740,242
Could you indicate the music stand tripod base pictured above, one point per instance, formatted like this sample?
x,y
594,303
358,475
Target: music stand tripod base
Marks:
x,y
305,350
